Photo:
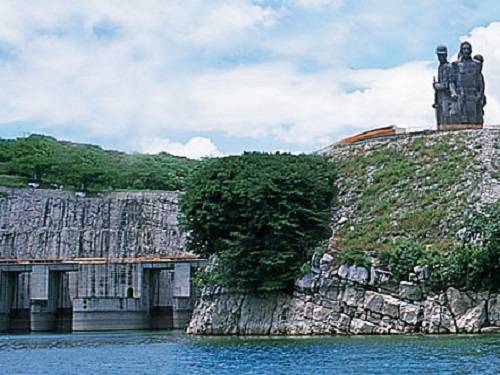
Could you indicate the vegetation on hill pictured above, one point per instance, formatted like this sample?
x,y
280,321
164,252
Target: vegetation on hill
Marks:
x,y
80,167
472,263
262,214
417,190
411,203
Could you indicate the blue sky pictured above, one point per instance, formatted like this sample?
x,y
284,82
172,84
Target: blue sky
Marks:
x,y
198,78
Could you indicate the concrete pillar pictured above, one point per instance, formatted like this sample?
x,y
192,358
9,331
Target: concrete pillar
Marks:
x,y
6,287
111,297
161,301
182,312
64,306
183,301
43,298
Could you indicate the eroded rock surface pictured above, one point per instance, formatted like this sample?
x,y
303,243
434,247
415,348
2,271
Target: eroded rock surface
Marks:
x,y
345,301
48,224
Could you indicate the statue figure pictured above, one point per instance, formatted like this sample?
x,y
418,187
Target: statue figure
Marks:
x,y
480,60
444,89
459,89
470,86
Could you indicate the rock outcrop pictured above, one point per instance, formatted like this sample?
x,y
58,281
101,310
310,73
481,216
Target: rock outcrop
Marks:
x,y
415,186
49,224
346,301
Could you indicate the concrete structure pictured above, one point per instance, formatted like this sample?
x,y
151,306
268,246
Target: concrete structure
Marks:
x,y
93,295
115,261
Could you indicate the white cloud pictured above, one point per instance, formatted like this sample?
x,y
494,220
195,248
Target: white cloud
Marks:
x,y
276,100
147,74
195,148
222,22
319,3
63,74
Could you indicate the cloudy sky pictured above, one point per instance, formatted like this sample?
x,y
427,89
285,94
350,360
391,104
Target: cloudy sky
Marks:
x,y
215,77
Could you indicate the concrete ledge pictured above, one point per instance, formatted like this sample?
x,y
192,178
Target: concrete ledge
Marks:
x,y
110,320
42,321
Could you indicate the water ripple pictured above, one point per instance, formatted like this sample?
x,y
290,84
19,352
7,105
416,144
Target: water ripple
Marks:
x,y
175,353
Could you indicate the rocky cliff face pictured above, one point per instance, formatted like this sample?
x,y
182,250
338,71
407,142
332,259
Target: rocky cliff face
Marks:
x,y
46,224
347,300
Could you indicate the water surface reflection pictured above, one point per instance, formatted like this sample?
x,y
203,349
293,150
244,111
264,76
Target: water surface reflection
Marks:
x,y
176,353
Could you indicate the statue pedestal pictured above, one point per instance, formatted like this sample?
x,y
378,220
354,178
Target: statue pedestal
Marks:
x,y
459,126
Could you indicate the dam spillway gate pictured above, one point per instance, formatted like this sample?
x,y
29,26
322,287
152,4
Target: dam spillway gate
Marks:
x,y
92,294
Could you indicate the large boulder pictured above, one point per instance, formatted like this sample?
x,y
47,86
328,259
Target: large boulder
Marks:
x,y
410,291
458,302
325,262
473,319
391,307
361,327
374,302
306,284
354,273
494,309
379,277
437,318
410,313
353,296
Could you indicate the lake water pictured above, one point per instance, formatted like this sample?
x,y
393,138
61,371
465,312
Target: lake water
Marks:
x,y
176,353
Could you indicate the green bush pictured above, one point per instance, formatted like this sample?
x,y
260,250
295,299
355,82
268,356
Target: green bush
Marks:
x,y
263,214
404,257
474,263
351,256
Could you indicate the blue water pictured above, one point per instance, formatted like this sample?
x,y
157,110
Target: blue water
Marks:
x,y
177,353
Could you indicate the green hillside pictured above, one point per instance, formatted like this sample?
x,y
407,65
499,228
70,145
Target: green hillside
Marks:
x,y
49,162
410,188
422,199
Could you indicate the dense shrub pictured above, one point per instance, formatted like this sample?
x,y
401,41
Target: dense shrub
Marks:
x,y
263,214
474,263
351,256
404,257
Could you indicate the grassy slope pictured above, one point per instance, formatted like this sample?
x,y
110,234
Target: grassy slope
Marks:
x,y
417,188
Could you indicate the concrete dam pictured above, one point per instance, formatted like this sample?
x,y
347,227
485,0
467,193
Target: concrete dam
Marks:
x,y
114,261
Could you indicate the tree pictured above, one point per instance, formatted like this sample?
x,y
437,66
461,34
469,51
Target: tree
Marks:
x,y
261,213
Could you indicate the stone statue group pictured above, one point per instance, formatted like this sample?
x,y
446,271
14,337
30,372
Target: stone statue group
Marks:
x,y
459,88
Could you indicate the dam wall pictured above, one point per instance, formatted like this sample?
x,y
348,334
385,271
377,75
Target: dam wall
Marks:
x,y
48,224
111,261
